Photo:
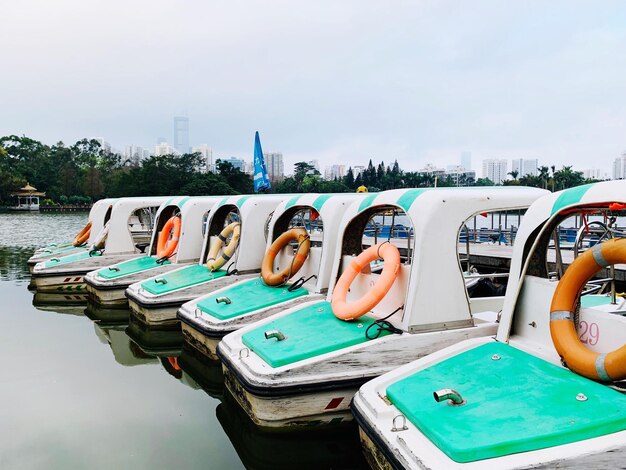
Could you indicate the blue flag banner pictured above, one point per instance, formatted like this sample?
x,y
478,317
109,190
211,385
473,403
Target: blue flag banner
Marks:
x,y
261,179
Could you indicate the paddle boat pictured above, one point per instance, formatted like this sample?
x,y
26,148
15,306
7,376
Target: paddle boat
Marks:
x,y
232,251
546,392
176,242
98,216
301,367
296,269
125,235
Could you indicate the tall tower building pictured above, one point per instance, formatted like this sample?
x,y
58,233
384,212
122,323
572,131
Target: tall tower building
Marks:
x,y
525,167
466,160
207,157
619,167
181,134
495,169
274,165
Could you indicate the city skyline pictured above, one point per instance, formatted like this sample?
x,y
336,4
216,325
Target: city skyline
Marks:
x,y
427,82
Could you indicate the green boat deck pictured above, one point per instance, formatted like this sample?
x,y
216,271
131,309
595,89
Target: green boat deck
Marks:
x,y
309,332
82,255
181,278
132,266
516,402
247,297
65,249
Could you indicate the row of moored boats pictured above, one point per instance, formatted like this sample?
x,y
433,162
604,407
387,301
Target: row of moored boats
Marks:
x,y
327,307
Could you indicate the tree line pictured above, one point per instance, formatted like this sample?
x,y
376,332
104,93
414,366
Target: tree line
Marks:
x,y
85,172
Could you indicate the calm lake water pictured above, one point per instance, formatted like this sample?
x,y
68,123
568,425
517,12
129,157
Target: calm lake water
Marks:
x,y
82,394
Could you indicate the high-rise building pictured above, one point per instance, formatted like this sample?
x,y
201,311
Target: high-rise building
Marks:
x,y
207,157
135,154
274,165
181,134
249,168
315,164
619,167
466,160
237,163
595,174
525,166
165,149
460,176
104,145
495,169
335,172
357,170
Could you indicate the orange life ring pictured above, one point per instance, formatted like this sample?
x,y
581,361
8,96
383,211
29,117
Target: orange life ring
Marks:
x,y
605,367
304,246
168,238
349,311
81,238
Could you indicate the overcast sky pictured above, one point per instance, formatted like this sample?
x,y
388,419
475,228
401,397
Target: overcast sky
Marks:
x,y
339,80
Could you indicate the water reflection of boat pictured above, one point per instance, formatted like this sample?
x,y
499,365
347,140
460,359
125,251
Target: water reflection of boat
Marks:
x,y
314,450
107,316
173,368
208,374
125,351
58,303
160,341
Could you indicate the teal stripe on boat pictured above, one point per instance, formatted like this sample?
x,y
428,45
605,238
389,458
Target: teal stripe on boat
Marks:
x,y
407,199
292,202
570,196
309,332
367,201
241,201
222,202
169,201
183,201
320,201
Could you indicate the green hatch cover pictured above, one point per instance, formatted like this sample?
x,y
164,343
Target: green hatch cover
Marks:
x,y
82,255
515,403
132,266
590,301
65,249
247,297
181,278
310,331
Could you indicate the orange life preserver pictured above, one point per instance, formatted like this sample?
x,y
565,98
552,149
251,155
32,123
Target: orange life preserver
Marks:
x,y
605,367
168,238
349,311
304,246
81,238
